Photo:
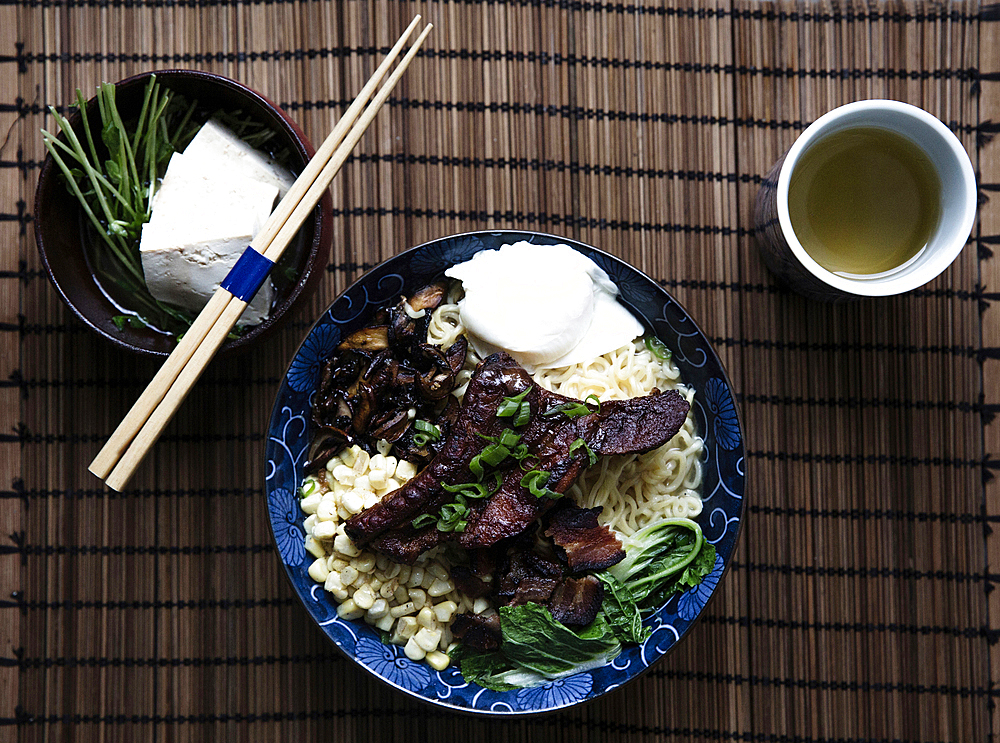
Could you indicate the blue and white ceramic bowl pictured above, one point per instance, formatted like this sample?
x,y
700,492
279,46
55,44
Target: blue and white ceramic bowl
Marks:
x,y
288,445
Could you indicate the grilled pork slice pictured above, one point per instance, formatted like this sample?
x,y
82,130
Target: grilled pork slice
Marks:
x,y
618,427
588,545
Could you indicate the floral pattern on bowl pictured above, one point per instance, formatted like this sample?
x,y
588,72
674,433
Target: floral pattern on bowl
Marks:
x,y
722,489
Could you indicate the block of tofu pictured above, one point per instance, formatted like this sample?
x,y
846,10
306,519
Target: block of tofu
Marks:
x,y
215,142
202,221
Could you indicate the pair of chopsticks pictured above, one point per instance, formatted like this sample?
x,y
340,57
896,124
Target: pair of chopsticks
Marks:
x,y
143,424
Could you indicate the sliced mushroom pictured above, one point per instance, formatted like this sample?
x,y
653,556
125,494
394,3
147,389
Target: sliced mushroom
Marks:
x,y
371,338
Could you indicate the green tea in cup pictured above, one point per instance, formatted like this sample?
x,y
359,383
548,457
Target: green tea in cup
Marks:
x,y
874,198
864,201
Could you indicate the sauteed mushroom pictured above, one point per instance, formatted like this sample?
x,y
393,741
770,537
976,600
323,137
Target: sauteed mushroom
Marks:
x,y
383,377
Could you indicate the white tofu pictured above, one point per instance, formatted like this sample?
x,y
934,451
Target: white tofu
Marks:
x,y
202,220
215,142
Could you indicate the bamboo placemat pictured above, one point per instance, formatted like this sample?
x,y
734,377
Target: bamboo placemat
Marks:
x,y
861,603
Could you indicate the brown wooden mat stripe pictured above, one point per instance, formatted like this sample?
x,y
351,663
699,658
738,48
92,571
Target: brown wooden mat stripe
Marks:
x,y
860,606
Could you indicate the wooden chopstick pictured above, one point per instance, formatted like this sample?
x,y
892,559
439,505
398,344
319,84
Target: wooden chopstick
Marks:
x,y
155,407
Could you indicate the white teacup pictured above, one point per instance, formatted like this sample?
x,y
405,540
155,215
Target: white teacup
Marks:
x,y
783,252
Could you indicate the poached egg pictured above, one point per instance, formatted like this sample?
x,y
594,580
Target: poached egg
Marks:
x,y
546,305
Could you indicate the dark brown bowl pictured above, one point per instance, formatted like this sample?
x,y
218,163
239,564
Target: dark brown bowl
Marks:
x,y
59,227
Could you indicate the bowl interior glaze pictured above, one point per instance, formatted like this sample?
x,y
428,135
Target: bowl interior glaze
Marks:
x,y
59,228
288,443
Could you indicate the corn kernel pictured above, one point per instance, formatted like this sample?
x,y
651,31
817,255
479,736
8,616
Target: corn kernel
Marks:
x,y
417,596
343,544
405,470
480,605
404,573
390,466
416,577
376,479
438,661
349,610
413,650
427,639
327,510
333,582
386,622
439,588
324,530
425,581
377,462
401,595
378,609
353,501
391,484
382,562
361,483
314,548
425,617
348,575
364,598
387,589
310,523
403,609
347,456
444,611
309,503
318,571
344,475
361,461
364,562
406,627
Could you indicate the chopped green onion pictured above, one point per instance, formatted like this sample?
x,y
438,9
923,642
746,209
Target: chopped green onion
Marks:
x,y
516,407
309,486
426,433
535,481
493,455
656,347
574,409
429,428
591,457
424,520
509,438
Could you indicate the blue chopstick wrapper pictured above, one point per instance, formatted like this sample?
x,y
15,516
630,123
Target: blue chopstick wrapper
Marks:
x,y
245,278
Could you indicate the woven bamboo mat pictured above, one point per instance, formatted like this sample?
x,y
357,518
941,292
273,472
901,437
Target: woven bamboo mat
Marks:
x,y
860,606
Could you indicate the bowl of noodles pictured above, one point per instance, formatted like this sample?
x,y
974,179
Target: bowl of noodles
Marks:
x,y
397,618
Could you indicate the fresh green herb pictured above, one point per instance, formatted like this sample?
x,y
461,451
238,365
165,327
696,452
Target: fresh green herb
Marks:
x,y
621,611
516,407
574,409
656,559
656,347
426,433
116,193
580,443
535,481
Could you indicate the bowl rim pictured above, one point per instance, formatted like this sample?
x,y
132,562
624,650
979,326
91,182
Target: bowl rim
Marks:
x,y
322,220
708,348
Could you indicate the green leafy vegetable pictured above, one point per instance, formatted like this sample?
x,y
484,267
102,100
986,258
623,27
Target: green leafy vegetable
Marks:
x,y
536,648
621,611
656,558
532,639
